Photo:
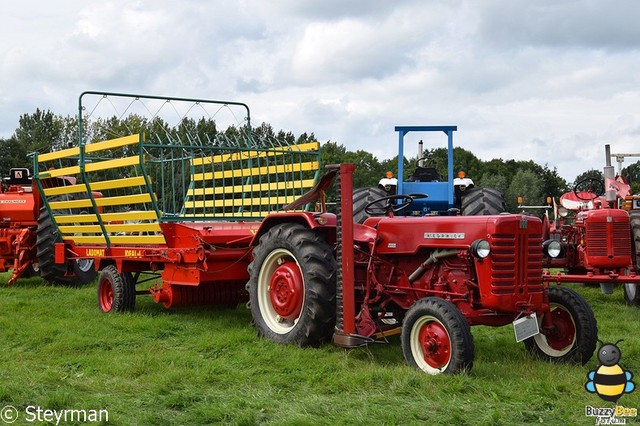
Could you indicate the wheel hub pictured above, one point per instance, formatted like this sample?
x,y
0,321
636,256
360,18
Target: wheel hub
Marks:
x,y
106,296
286,291
564,330
435,344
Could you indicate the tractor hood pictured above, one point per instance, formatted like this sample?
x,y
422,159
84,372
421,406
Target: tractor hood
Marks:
x,y
407,235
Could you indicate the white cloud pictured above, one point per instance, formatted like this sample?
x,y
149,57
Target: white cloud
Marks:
x,y
548,81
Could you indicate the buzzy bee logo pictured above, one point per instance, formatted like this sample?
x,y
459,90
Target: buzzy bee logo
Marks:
x,y
610,381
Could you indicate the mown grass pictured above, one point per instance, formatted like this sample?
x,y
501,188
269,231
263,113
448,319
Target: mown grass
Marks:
x,y
206,366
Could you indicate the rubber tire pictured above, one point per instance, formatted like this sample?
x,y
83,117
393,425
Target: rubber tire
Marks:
x,y
117,288
586,330
51,271
31,270
630,290
482,202
447,316
361,198
315,263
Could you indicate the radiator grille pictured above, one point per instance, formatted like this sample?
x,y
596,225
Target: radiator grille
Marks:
x,y
600,235
512,276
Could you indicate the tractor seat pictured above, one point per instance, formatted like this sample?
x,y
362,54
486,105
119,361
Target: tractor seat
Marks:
x,y
425,174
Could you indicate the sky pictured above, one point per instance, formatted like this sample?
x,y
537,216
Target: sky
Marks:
x,y
547,80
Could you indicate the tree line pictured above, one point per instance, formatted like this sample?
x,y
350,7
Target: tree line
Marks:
x,y
45,131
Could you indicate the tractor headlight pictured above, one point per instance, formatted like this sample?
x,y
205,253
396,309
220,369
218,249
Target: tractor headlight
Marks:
x,y
552,248
562,212
480,248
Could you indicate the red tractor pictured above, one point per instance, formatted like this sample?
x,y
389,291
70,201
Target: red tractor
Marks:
x,y
600,242
24,247
237,226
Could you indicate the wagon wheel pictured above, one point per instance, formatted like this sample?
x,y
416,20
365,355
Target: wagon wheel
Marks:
x,y
292,286
116,291
574,334
436,337
589,189
380,208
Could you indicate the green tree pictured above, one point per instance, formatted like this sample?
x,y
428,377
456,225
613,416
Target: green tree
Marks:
x,y
524,184
589,174
12,154
41,131
632,174
491,180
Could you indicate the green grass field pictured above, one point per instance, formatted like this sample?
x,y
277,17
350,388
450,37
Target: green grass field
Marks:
x,y
207,366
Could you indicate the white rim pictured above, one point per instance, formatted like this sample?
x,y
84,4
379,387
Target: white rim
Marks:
x,y
631,291
416,347
275,322
541,339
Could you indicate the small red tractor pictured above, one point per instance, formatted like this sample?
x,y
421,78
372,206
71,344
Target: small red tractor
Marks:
x,y
24,247
600,238
221,222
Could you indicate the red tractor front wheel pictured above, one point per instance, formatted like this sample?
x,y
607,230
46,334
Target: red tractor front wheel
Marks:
x,y
436,338
574,334
116,291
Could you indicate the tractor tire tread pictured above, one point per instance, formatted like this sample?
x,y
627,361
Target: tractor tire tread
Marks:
x,y
315,257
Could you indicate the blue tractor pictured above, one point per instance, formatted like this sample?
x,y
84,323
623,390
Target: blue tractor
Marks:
x,y
425,191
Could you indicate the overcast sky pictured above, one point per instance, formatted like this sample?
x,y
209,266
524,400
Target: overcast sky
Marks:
x,y
544,80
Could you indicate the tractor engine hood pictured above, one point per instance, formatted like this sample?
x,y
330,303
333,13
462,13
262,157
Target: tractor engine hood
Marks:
x,y
407,235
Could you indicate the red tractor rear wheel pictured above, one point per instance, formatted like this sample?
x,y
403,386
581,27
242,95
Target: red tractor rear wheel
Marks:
x,y
631,295
575,332
116,291
292,286
436,337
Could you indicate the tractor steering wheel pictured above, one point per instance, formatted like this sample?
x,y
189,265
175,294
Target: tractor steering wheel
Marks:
x,y
589,189
377,208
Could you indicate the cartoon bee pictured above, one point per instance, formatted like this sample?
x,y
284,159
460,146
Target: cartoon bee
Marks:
x,y
609,380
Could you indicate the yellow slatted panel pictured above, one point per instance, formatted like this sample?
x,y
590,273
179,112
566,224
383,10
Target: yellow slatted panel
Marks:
x,y
96,186
94,147
101,202
63,153
65,171
112,143
125,227
69,189
117,239
93,167
307,183
246,155
112,164
239,202
76,218
131,215
266,170
108,217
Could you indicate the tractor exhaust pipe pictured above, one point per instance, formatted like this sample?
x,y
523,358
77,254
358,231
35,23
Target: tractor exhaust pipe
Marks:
x,y
611,196
609,173
420,154
433,258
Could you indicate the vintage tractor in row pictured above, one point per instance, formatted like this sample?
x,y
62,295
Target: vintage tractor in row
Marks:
x,y
246,220
447,196
600,236
24,245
